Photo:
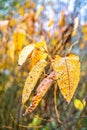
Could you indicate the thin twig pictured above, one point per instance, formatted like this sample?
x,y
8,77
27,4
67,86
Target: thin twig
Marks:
x,y
75,43
8,127
23,126
43,119
55,107
56,111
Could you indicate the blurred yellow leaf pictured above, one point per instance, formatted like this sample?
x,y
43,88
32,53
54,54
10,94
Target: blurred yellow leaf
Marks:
x,y
19,38
3,64
85,37
67,71
84,29
51,22
40,92
21,11
39,12
12,22
54,42
79,104
27,4
25,53
40,44
62,20
32,79
74,33
82,45
17,5
11,50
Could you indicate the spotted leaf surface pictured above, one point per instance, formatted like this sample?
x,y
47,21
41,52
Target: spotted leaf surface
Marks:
x,y
40,92
32,79
67,71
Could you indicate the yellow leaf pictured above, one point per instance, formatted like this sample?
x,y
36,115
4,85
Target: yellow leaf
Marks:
x,y
85,37
21,11
40,44
40,92
32,79
11,50
19,38
36,56
79,104
39,12
27,4
74,33
62,19
12,22
54,42
25,53
67,71
51,22
17,5
84,29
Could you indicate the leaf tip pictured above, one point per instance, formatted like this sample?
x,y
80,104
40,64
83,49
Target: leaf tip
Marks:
x,y
26,112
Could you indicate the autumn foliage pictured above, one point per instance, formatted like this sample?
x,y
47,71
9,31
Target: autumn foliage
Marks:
x,y
44,68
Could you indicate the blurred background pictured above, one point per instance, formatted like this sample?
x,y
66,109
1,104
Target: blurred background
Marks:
x,y
25,22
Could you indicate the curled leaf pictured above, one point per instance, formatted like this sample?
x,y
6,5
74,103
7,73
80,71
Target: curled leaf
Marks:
x,y
25,53
67,71
40,92
32,79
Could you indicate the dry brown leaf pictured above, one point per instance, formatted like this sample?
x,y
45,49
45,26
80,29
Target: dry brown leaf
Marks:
x,y
67,71
40,92
32,79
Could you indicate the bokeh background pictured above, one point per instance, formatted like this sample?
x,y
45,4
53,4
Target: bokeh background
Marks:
x,y
18,17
